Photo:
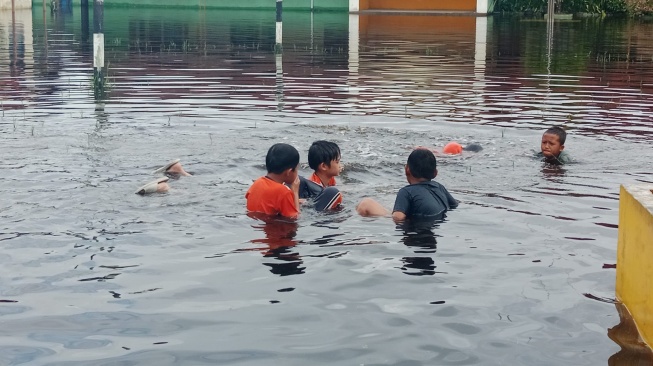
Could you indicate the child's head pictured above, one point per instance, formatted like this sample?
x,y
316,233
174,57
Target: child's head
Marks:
x,y
553,141
281,158
325,156
422,164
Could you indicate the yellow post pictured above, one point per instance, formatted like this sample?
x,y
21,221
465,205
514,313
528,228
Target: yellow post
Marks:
x,y
635,256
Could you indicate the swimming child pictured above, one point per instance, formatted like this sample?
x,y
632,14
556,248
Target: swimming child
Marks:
x,y
172,169
454,148
422,198
157,186
324,159
276,193
553,144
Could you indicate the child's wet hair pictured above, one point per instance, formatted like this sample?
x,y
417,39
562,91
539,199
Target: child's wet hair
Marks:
x,y
558,131
422,164
322,152
281,157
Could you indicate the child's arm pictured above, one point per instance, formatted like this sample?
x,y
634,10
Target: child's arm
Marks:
x,y
450,200
398,216
369,207
294,187
288,201
402,205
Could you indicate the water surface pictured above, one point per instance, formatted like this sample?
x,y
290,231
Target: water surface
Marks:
x,y
522,273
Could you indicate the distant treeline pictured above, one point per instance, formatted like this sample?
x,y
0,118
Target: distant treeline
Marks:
x,y
633,7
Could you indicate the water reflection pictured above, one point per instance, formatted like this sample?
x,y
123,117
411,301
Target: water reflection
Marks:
x,y
16,52
418,235
553,173
500,71
634,351
278,244
61,7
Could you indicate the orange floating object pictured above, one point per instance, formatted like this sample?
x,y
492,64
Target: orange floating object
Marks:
x,y
453,148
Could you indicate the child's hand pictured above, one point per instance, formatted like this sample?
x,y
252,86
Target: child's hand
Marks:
x,y
295,185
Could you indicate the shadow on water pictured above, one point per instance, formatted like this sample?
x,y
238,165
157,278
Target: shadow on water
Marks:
x,y
278,244
634,351
419,236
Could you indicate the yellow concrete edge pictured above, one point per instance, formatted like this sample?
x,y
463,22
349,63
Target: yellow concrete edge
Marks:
x,y
634,287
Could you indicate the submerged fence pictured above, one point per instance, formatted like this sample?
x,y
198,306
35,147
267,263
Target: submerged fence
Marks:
x,y
222,4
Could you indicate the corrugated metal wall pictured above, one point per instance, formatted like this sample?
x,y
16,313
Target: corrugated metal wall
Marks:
x,y
454,5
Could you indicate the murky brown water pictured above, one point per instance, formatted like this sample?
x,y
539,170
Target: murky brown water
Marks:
x,y
92,274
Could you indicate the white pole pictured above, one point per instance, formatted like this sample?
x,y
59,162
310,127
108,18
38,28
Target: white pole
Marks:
x,y
481,6
279,57
354,58
278,92
98,47
354,5
480,59
279,30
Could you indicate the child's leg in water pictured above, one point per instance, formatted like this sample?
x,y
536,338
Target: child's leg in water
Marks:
x,y
177,169
369,207
173,168
158,186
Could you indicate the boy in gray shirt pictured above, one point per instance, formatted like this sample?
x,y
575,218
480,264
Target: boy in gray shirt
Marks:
x,y
422,197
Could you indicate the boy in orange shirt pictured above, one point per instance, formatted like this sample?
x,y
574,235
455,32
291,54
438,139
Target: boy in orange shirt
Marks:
x,y
324,159
276,193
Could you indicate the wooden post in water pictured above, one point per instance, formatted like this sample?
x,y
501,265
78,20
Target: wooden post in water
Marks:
x,y
98,47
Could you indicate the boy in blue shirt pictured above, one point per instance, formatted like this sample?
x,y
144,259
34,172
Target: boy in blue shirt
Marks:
x,y
422,198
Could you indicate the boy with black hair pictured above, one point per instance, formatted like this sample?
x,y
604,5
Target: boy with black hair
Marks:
x,y
553,144
324,159
276,193
422,198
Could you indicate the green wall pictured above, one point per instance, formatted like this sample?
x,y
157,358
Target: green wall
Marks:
x,y
340,5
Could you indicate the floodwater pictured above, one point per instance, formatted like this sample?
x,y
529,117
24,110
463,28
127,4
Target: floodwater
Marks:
x,y
522,273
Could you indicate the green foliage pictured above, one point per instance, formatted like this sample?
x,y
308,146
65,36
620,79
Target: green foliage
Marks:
x,y
639,7
521,5
567,6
